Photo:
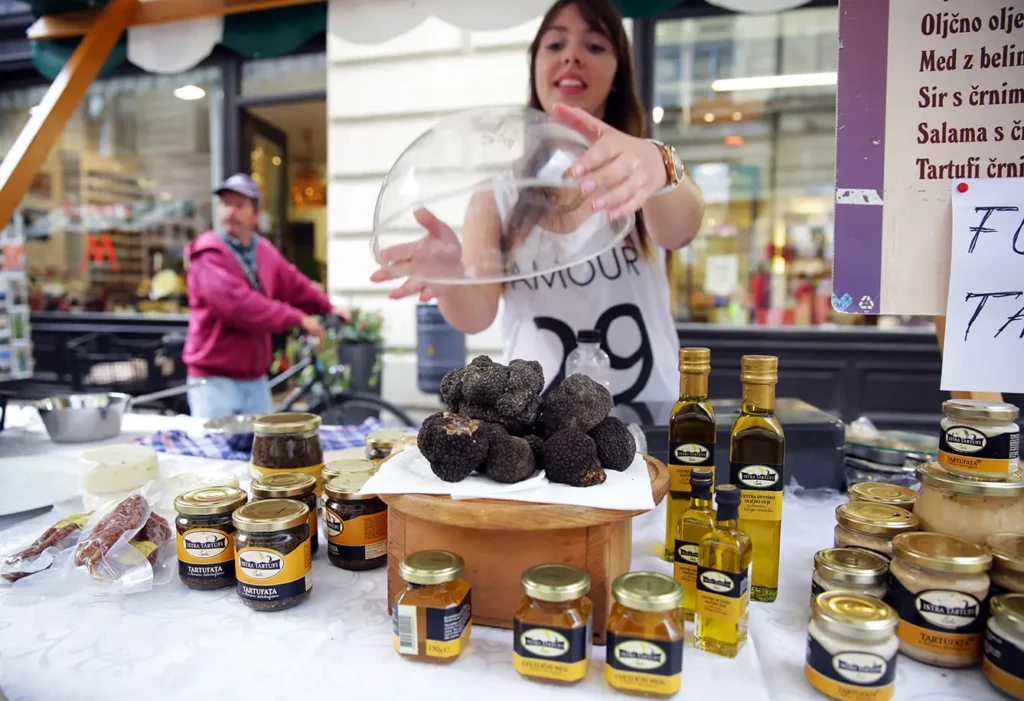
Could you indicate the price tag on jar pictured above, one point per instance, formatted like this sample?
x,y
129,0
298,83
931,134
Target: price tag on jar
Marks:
x,y
984,340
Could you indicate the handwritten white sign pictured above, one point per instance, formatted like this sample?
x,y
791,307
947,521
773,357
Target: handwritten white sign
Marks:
x,y
984,344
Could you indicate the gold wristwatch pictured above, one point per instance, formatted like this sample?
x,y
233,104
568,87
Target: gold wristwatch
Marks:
x,y
674,167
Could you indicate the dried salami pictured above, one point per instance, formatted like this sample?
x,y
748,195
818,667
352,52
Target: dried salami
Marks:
x,y
60,536
129,515
155,533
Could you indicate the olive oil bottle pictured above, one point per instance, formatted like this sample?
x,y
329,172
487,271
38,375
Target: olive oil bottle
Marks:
x,y
723,580
757,453
691,437
698,521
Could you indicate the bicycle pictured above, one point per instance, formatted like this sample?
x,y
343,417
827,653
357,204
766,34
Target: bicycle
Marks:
x,y
321,398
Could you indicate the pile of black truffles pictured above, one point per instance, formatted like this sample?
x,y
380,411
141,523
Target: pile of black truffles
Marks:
x,y
498,424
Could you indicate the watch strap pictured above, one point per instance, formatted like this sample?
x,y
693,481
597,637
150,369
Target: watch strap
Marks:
x,y
673,166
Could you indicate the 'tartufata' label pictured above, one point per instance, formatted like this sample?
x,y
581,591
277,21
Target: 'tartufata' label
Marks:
x,y
857,676
267,575
637,664
360,538
760,488
1003,663
683,457
939,620
550,652
722,595
966,448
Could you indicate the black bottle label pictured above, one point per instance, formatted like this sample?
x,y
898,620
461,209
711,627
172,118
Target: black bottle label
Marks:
x,y
722,595
760,486
683,457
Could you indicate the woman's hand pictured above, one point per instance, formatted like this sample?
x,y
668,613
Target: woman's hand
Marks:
x,y
619,172
439,249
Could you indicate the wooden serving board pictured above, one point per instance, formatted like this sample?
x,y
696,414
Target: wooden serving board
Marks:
x,y
500,539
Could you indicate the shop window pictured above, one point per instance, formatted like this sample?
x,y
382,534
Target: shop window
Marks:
x,y
302,73
764,155
124,189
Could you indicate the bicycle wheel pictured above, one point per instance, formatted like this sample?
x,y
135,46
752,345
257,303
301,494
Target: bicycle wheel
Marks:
x,y
341,400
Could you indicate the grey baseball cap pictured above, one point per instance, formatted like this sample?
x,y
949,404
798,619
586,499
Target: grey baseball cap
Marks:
x,y
242,184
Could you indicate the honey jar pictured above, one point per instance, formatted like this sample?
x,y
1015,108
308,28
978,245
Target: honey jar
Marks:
x,y
432,613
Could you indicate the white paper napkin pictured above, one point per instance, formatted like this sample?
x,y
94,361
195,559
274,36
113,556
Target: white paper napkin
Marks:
x,y
408,472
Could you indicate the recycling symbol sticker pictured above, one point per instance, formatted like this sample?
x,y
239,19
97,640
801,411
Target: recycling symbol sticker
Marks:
x,y
866,303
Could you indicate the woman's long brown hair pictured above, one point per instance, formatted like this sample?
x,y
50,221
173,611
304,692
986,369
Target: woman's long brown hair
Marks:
x,y
623,109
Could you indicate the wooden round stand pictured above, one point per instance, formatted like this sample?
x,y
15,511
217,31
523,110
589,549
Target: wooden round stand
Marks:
x,y
499,540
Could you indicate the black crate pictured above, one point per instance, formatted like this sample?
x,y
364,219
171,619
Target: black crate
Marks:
x,y
102,362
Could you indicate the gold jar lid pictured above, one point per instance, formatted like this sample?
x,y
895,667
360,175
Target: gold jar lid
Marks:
x,y
647,591
283,485
270,515
875,519
555,583
385,438
943,553
336,468
980,410
854,615
883,493
209,501
431,567
852,566
695,360
1008,610
759,369
346,487
1007,550
932,474
283,424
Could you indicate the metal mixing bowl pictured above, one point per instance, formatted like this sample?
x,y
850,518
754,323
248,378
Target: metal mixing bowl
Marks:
x,y
83,418
236,430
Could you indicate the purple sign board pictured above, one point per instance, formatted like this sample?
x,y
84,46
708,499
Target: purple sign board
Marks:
x,y
928,91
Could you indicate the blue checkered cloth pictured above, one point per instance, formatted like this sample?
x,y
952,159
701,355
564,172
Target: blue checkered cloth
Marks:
x,y
216,446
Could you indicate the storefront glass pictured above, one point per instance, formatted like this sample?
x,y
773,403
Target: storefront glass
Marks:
x,y
124,189
764,155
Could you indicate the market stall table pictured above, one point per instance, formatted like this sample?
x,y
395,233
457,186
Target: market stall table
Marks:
x,y
172,642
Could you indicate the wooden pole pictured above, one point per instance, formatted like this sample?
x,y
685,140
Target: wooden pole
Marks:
x,y
25,158
940,331
77,23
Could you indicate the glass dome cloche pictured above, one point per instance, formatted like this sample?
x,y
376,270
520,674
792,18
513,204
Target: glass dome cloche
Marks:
x,y
484,196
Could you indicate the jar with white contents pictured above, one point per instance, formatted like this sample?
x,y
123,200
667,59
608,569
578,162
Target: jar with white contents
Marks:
x,y
852,570
1003,663
852,647
864,524
1007,572
971,509
979,438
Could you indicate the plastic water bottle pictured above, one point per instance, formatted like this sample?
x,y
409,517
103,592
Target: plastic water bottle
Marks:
x,y
588,359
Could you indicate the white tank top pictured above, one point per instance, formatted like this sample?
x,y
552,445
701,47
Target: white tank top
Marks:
x,y
619,293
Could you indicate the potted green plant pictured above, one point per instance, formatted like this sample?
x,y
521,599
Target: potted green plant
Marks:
x,y
360,345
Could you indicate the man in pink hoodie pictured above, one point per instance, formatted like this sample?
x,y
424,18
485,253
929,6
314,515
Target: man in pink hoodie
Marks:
x,y
241,290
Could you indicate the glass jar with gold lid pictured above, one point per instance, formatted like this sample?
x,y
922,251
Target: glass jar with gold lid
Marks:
x,y
853,570
1003,662
938,585
288,442
883,493
432,614
273,562
979,438
852,646
1007,574
380,444
291,485
552,626
967,508
644,653
865,524
356,524
206,536
337,468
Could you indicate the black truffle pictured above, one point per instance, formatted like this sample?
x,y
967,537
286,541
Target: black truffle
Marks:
x,y
484,381
453,444
509,460
451,389
492,433
518,411
536,442
578,402
616,446
482,412
525,376
570,457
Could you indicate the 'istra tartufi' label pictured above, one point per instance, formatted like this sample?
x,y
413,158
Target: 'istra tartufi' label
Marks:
x,y
644,666
1003,663
722,595
683,457
550,652
447,629
939,620
360,538
267,575
206,553
967,448
760,488
857,676
685,571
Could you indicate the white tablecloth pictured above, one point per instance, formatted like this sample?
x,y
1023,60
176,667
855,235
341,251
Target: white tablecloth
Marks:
x,y
175,643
